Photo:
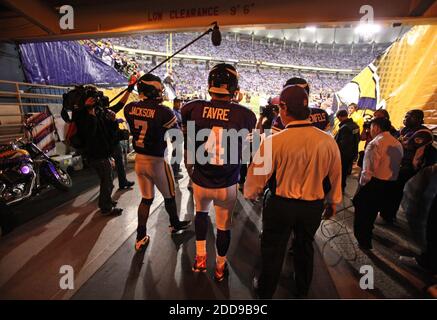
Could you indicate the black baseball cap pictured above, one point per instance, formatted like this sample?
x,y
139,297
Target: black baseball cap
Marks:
x,y
295,98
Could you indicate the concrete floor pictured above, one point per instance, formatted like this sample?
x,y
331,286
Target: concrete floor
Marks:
x,y
73,234
100,249
163,271
392,278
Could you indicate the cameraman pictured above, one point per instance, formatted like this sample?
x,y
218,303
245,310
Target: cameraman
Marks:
x,y
267,115
96,127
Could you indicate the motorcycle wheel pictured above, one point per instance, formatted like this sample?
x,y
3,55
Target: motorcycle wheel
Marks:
x,y
58,177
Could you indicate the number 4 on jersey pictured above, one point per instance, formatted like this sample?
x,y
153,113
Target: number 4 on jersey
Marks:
x,y
214,146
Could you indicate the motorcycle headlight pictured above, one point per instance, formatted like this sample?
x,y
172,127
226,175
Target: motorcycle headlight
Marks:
x,y
25,169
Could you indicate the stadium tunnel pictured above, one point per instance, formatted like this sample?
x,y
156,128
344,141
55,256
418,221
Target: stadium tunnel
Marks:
x,y
55,229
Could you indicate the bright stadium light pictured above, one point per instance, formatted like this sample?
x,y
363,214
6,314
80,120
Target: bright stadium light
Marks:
x,y
367,28
311,28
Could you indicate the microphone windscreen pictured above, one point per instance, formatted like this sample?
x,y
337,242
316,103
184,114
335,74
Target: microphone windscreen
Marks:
x,y
216,36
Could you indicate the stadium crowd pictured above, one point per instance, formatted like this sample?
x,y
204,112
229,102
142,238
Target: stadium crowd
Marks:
x,y
190,79
105,51
328,56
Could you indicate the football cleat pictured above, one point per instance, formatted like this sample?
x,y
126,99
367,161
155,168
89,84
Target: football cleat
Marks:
x,y
183,225
142,243
199,264
221,272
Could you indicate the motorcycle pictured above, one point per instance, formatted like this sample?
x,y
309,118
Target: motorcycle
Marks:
x,y
25,170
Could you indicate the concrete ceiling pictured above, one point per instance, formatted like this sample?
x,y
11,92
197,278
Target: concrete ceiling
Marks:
x,y
38,20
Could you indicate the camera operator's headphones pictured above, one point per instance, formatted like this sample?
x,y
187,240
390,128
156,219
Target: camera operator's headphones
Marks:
x,y
150,86
72,100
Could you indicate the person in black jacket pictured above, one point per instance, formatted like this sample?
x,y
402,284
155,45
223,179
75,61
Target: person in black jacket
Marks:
x,y
117,148
97,128
347,138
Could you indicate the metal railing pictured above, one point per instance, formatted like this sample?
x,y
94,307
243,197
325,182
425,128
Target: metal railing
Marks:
x,y
27,98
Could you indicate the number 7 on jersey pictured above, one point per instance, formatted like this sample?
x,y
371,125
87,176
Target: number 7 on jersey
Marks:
x,y
140,124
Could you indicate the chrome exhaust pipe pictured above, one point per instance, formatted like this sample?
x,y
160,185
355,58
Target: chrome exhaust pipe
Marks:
x,y
28,192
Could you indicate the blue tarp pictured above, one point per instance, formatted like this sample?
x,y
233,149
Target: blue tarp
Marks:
x,y
65,63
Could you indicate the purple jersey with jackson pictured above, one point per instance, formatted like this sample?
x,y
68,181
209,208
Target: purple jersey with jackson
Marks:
x,y
148,122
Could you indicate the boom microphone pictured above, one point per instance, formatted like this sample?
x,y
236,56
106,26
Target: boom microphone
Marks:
x,y
216,36
216,39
